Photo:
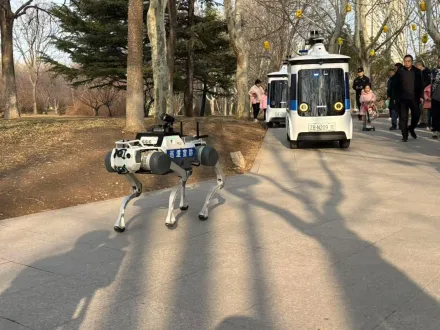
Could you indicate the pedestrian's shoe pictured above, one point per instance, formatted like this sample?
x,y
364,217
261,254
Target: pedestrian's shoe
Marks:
x,y
393,128
436,135
422,125
428,128
404,139
255,120
412,132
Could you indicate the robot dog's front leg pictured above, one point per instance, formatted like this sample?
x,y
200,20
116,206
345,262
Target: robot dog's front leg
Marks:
x,y
183,204
137,190
203,215
170,221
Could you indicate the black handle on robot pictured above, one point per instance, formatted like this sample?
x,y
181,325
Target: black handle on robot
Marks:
x,y
198,136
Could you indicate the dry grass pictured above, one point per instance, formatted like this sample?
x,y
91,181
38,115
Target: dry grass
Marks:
x,y
53,162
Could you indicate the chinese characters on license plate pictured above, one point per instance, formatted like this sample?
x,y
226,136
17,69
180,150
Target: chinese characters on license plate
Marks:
x,y
321,127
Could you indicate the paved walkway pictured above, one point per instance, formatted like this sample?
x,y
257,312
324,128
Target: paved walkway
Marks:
x,y
311,239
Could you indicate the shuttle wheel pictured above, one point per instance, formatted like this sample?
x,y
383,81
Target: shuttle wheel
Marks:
x,y
294,144
344,144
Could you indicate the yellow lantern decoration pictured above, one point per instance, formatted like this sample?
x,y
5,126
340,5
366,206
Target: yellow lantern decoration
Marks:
x,y
413,27
348,8
385,29
299,13
425,38
372,53
340,41
266,45
422,6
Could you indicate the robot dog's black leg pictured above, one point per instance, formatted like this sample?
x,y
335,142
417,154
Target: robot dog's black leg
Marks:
x,y
183,204
203,215
170,221
137,190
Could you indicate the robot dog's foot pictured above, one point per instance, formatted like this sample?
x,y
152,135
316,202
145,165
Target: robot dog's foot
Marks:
x,y
170,222
203,217
184,208
119,229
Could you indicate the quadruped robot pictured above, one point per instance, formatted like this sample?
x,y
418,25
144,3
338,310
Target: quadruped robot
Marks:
x,y
161,151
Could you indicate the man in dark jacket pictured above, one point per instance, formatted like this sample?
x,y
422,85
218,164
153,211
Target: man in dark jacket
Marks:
x,y
358,85
408,88
426,77
393,105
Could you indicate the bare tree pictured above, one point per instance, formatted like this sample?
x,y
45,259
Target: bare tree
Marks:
x,y
32,34
370,21
97,97
157,36
189,89
135,83
172,13
234,16
7,18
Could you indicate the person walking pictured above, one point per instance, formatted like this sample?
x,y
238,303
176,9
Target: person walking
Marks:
x,y
393,106
427,104
358,85
426,77
435,101
263,103
256,92
408,89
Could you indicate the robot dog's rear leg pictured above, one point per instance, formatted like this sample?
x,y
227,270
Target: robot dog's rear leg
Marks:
x,y
137,190
183,204
203,215
171,220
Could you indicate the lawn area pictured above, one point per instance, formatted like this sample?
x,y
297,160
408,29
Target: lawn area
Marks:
x,y
54,162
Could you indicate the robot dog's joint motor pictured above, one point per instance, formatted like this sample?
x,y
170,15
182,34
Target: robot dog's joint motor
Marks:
x,y
161,151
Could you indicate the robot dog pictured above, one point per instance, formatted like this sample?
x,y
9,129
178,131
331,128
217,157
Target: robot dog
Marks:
x,y
161,151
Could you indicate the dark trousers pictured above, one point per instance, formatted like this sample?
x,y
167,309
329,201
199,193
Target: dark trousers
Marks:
x,y
256,109
264,114
405,106
435,112
358,103
394,112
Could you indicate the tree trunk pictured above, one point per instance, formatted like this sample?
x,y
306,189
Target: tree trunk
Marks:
x,y
203,106
8,70
172,12
235,30
109,111
340,21
135,84
34,97
435,35
189,92
242,86
148,107
157,36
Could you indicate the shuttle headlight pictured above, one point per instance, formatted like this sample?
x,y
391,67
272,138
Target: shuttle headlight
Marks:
x,y
303,107
339,106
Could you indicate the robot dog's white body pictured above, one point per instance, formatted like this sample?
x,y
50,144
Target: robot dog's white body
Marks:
x,y
163,153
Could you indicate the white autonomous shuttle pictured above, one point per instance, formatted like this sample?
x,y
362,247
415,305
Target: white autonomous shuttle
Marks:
x,y
277,96
319,95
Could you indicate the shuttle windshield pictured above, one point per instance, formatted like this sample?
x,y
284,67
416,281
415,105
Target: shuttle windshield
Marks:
x,y
278,94
321,89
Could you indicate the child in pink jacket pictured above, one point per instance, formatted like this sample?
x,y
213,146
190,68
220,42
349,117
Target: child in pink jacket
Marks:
x,y
427,104
263,103
367,103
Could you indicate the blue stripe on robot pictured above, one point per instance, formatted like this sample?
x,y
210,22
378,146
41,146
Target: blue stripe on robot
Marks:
x,y
181,153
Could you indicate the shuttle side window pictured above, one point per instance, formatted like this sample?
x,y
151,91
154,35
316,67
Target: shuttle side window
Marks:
x,y
278,94
321,90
